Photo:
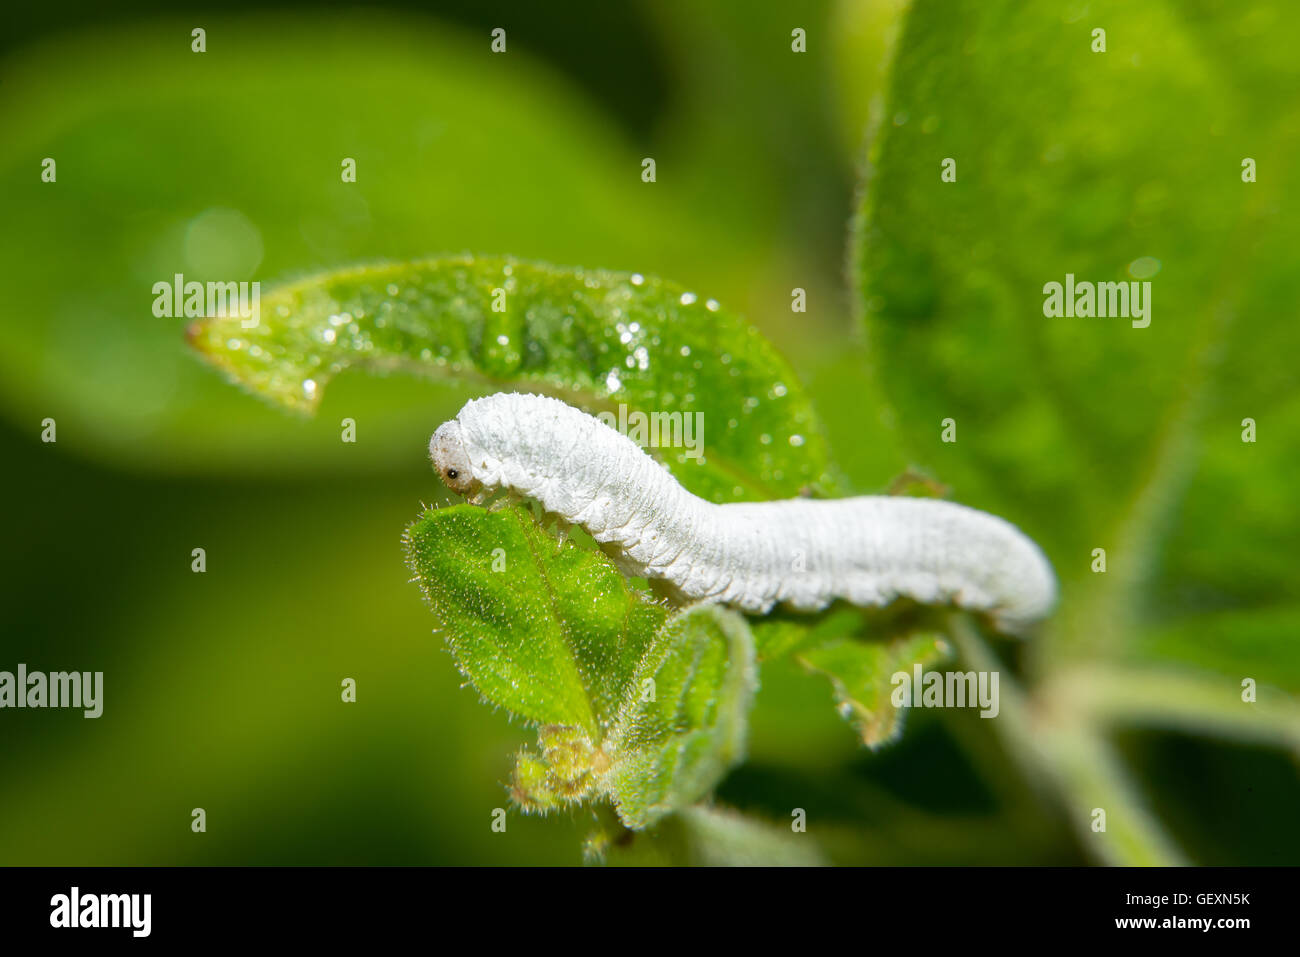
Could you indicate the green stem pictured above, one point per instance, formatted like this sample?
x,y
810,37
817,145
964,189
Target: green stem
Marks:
x,y
1062,746
1204,704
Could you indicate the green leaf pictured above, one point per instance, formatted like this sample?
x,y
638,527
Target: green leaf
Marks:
x,y
780,633
858,650
227,166
616,340
860,673
1090,433
646,710
1123,165
548,630
951,274
683,725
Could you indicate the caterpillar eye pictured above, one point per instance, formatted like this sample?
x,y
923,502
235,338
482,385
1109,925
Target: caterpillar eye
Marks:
x,y
449,458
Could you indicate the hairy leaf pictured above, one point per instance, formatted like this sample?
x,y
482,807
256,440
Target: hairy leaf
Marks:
x,y
1106,433
632,705
1089,432
684,723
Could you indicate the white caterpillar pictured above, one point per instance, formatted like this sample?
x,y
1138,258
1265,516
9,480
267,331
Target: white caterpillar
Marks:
x,y
804,553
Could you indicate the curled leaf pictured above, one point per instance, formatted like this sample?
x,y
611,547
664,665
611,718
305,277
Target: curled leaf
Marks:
x,y
633,345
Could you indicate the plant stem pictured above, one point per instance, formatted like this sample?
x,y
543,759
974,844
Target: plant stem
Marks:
x,y
1060,744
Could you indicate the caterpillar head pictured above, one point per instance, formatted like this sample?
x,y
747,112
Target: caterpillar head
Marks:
x,y
447,449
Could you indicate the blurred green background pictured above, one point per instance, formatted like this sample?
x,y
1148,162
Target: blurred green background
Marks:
x,y
222,689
